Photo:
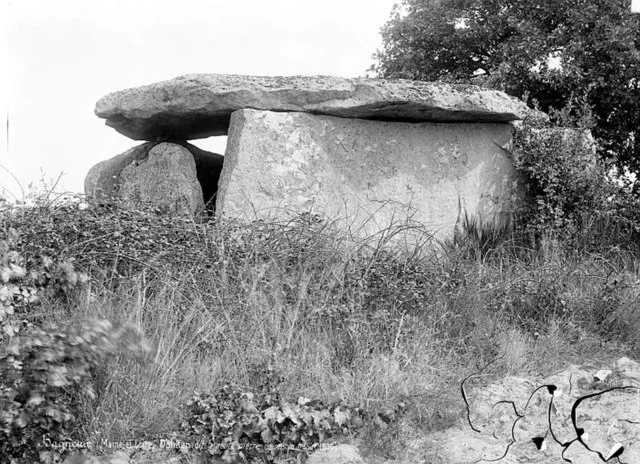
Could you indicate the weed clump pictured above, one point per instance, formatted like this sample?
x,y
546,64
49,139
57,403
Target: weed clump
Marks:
x,y
264,427
47,380
346,321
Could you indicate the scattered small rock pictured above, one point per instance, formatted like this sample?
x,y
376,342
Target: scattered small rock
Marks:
x,y
339,454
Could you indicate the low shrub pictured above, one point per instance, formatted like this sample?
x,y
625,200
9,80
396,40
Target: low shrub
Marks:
x,y
46,380
264,427
570,195
477,239
563,180
24,284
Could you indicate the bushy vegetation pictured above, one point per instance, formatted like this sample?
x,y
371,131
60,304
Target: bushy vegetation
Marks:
x,y
295,333
47,380
237,425
26,282
559,52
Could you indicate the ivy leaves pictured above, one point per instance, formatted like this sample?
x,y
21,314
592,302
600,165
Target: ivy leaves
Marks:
x,y
233,424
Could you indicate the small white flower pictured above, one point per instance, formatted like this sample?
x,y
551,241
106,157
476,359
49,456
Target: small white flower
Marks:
x,y
5,274
18,271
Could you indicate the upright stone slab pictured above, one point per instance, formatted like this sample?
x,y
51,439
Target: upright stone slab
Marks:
x,y
166,179
369,173
161,175
102,182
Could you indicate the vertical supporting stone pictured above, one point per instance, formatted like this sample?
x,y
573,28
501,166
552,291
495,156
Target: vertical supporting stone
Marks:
x,y
368,174
166,179
159,175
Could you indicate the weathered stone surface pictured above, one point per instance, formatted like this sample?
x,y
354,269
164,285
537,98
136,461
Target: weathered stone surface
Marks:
x,y
367,173
160,175
166,179
102,182
106,180
610,418
200,105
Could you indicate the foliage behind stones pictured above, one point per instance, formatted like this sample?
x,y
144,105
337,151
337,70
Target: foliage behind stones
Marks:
x,y
507,45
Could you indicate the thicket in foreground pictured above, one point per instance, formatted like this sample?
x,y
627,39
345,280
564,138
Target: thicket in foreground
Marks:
x,y
344,320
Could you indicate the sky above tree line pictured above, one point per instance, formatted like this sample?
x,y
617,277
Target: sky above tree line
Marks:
x,y
63,56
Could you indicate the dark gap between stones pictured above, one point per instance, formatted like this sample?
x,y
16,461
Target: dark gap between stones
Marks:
x,y
209,163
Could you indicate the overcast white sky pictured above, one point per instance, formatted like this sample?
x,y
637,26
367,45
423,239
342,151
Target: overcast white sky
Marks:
x,y
61,56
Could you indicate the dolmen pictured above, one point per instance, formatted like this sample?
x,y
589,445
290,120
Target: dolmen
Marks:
x,y
366,152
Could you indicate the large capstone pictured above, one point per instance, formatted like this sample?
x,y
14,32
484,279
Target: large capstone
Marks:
x,y
367,173
200,105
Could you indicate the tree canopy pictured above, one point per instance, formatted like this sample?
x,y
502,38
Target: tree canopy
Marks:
x,y
561,53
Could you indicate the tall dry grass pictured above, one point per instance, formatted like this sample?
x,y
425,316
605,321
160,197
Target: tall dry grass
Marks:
x,y
336,315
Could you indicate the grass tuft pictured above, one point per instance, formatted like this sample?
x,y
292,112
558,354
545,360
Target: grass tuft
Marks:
x,y
338,317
